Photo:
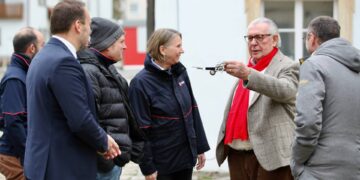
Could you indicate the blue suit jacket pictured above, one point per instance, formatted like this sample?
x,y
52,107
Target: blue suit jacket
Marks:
x,y
63,135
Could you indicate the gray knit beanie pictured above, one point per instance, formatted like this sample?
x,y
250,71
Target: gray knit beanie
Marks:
x,y
104,33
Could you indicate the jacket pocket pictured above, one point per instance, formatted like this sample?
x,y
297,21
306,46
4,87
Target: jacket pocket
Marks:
x,y
296,169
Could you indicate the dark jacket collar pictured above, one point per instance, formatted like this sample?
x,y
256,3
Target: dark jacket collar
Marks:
x,y
20,60
103,59
176,69
89,56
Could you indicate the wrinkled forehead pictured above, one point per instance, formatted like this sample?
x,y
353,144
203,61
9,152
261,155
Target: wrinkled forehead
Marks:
x,y
258,28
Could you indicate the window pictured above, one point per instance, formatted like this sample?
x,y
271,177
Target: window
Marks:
x,y
42,3
292,18
134,8
12,10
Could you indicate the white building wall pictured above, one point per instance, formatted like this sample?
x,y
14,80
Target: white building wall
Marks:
x,y
356,25
51,3
212,32
166,14
36,16
99,8
134,10
8,29
96,8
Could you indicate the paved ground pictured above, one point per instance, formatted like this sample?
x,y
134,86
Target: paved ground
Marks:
x,y
132,172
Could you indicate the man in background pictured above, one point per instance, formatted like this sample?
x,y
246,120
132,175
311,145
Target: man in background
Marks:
x,y
326,144
27,42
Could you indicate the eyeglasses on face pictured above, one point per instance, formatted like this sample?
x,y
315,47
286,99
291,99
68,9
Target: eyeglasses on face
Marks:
x,y
257,37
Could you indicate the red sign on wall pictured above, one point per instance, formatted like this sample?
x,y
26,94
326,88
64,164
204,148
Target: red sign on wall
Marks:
x,y
131,55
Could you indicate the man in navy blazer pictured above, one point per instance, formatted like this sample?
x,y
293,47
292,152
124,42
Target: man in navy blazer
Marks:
x,y
63,134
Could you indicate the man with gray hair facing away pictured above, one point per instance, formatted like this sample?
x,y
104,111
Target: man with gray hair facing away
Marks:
x,y
258,127
326,144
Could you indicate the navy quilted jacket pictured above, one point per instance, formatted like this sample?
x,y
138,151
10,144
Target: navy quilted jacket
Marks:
x,y
13,107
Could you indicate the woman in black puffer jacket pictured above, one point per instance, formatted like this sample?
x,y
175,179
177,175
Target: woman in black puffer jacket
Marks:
x,y
111,95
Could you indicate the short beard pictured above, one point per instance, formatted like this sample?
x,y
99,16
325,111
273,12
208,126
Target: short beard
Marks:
x,y
83,46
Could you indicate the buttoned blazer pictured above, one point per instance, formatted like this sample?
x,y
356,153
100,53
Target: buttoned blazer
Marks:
x,y
63,134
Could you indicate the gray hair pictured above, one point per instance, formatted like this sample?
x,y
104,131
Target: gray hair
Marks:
x,y
325,28
273,29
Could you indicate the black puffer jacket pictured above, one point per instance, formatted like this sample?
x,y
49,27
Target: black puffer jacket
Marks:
x,y
113,110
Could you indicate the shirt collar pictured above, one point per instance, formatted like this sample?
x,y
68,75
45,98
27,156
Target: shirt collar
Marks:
x,y
159,67
67,44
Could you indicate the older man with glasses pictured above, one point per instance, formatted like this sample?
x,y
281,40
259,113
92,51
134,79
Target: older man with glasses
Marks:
x,y
258,127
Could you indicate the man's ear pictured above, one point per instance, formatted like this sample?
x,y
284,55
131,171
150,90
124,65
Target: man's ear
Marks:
x,y
275,40
31,49
77,26
314,41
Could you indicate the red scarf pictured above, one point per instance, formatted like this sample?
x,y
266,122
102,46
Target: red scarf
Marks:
x,y
236,125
